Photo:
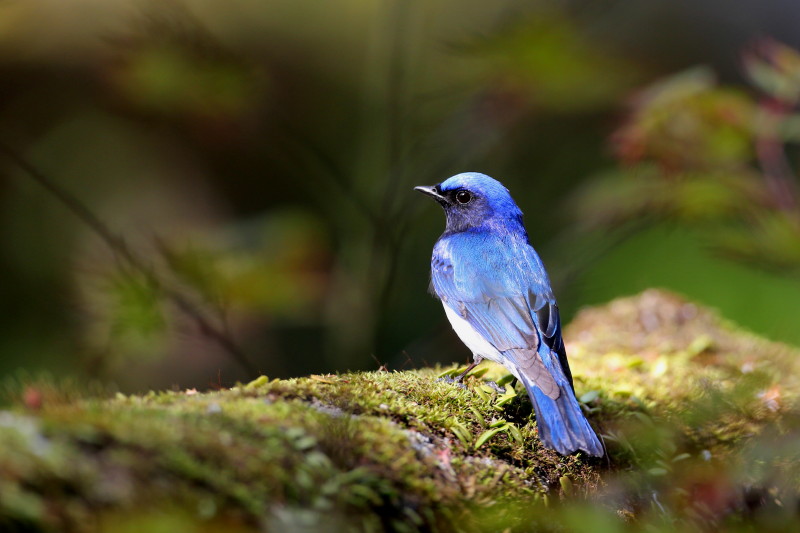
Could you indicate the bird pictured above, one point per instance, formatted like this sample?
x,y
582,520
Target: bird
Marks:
x,y
497,296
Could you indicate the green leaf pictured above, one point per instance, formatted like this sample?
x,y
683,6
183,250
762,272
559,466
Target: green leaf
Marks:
x,y
258,382
508,378
513,430
643,418
478,416
479,373
449,373
590,396
566,485
488,434
509,395
482,393
460,431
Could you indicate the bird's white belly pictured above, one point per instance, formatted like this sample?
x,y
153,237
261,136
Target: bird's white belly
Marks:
x,y
474,340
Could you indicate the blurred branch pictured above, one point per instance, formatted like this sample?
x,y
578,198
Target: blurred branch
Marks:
x,y
120,247
397,21
332,170
384,244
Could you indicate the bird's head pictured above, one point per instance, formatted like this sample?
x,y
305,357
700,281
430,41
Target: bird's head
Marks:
x,y
472,199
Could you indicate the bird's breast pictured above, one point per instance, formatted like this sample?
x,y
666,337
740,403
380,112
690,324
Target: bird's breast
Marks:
x,y
470,336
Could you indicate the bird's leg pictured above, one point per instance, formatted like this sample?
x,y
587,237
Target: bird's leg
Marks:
x,y
475,362
460,378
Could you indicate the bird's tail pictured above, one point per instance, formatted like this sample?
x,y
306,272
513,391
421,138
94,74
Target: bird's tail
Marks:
x,y
561,423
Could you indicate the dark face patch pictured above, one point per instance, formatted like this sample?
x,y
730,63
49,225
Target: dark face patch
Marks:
x,y
470,200
465,209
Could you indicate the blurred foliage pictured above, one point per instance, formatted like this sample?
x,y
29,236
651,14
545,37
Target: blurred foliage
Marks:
x,y
687,122
549,61
259,157
713,156
270,269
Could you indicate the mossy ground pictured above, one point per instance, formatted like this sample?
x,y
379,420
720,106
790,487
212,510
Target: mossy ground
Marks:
x,y
700,420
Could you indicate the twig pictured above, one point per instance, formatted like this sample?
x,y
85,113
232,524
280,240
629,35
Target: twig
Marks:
x,y
120,247
381,366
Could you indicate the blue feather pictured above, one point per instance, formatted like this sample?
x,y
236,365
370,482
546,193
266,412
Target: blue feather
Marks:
x,y
487,274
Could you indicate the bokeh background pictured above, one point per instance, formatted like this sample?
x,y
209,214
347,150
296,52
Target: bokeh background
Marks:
x,y
253,162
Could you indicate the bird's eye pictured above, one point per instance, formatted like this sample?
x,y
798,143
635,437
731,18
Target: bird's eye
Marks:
x,y
463,197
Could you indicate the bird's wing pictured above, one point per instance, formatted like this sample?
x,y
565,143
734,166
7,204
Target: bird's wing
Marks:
x,y
505,295
549,323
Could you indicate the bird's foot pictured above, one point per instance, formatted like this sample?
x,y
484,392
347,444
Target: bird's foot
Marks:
x,y
497,388
458,381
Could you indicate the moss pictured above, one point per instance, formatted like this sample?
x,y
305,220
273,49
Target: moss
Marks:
x,y
683,400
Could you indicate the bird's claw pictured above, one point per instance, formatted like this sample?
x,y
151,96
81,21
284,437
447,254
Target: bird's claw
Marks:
x,y
459,382
452,381
497,388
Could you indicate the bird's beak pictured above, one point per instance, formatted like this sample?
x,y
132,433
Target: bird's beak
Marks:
x,y
431,191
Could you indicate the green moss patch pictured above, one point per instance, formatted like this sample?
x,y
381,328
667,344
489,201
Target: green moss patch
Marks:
x,y
700,420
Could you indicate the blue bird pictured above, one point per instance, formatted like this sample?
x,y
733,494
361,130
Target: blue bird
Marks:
x,y
497,296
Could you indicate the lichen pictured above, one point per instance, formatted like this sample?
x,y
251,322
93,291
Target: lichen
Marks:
x,y
696,415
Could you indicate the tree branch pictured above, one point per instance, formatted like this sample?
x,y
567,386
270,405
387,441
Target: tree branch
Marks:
x,y
120,247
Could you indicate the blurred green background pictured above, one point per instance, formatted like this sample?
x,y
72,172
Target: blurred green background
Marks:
x,y
258,159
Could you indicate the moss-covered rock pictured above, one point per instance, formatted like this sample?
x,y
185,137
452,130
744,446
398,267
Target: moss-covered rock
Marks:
x,y
700,421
